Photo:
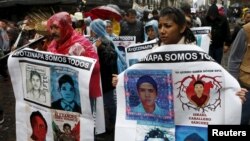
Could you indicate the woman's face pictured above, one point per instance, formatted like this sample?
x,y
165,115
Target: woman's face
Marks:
x,y
67,92
151,33
198,88
36,82
170,32
109,28
147,94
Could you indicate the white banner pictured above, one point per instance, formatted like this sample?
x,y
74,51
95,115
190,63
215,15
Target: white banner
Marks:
x,y
135,52
174,93
52,96
202,37
122,42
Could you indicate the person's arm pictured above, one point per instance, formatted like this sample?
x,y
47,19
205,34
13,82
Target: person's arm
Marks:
x,y
242,94
237,52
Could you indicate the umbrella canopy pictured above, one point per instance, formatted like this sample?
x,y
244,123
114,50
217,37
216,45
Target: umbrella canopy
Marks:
x,y
236,5
106,12
116,7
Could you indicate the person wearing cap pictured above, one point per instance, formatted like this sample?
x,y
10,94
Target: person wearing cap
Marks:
x,y
147,91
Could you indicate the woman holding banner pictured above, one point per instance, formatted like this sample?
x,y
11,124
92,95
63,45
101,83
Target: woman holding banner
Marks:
x,y
173,29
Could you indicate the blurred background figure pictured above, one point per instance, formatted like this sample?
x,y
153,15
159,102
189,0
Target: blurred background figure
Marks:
x,y
151,30
132,26
109,28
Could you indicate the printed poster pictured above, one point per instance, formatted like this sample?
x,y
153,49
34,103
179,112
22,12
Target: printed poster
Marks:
x,y
122,42
52,90
135,52
65,125
182,81
202,35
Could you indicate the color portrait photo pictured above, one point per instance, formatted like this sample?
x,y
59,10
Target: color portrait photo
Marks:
x,y
149,96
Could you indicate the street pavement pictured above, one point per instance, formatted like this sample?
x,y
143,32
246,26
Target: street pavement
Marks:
x,y
7,100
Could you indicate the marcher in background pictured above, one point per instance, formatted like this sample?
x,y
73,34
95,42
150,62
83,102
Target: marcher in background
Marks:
x,y
155,14
239,66
239,25
109,28
145,18
220,34
132,26
108,66
151,30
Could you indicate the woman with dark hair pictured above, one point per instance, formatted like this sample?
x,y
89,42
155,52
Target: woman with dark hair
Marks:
x,y
173,27
68,93
173,30
36,93
39,126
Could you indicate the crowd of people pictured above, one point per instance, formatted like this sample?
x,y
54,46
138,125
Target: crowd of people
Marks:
x,y
170,25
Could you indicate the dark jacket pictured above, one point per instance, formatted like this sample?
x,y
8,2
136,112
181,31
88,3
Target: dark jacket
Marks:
x,y
57,105
108,64
220,28
133,29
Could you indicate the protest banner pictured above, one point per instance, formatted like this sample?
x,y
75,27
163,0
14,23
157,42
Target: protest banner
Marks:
x,y
174,93
51,90
136,51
